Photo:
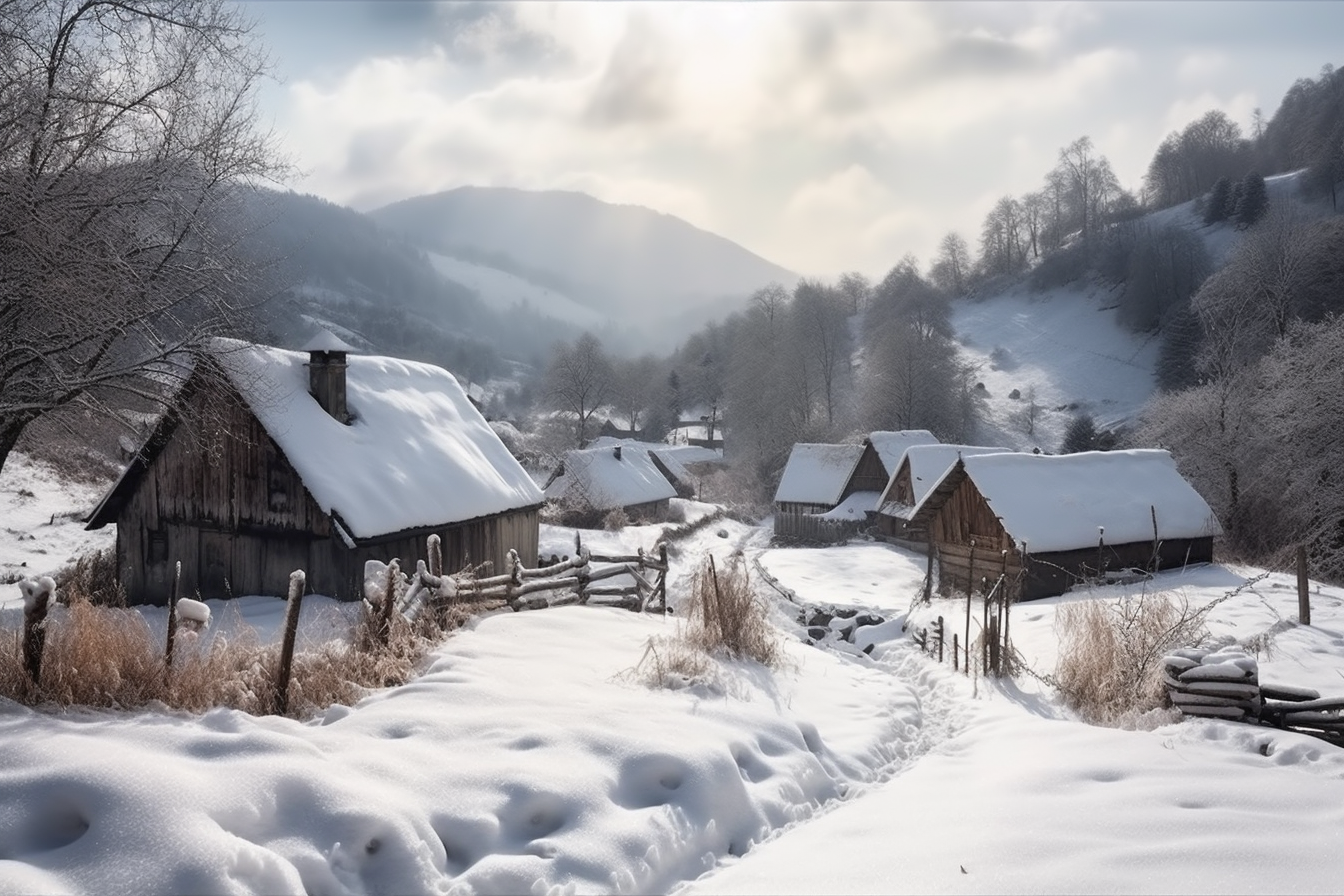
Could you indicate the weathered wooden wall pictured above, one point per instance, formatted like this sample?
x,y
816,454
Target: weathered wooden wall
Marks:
x,y
869,475
965,516
813,529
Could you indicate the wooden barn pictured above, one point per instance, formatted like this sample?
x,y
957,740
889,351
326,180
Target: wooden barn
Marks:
x,y
915,472
1049,522
591,482
826,491
891,445
278,460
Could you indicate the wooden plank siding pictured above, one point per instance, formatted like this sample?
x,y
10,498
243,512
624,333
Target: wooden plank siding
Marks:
x,y
965,516
221,497
869,475
803,527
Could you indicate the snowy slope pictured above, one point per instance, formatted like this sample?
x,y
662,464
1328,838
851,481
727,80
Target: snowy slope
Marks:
x,y
505,292
1067,345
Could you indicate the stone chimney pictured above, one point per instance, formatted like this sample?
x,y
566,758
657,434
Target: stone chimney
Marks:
x,y
326,373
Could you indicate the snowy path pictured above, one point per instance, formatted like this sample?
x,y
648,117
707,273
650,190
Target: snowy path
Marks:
x,y
1003,792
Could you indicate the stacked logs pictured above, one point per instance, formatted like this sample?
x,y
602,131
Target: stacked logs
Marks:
x,y
1225,684
1221,684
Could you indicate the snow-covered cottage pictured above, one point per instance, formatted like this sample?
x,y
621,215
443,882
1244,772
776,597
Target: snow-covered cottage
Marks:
x,y
278,460
891,445
681,465
826,491
591,482
1049,521
912,476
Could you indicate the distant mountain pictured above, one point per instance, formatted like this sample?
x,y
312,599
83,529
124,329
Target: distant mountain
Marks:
x,y
651,274
334,267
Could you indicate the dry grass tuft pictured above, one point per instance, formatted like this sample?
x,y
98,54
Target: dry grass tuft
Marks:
x,y
725,620
1110,662
108,657
93,577
727,616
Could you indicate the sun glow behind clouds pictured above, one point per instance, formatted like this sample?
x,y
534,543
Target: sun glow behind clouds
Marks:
x,y
738,115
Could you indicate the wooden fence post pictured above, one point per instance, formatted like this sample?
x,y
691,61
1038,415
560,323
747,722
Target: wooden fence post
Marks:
x,y
662,575
172,621
389,599
1303,588
1156,561
36,599
955,654
928,573
1101,541
941,635
970,586
434,547
296,583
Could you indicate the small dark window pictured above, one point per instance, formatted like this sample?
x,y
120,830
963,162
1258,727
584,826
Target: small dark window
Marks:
x,y
158,546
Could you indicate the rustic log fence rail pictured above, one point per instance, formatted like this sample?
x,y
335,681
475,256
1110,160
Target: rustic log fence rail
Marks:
x,y
1226,685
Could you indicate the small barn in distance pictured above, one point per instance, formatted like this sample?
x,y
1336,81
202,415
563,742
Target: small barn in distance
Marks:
x,y
591,482
1048,522
278,460
826,491
891,445
914,474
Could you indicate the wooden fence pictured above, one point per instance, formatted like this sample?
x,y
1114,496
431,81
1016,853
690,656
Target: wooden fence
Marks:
x,y
584,578
814,529
1226,685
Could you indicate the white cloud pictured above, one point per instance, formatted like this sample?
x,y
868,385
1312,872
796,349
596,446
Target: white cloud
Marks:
x,y
826,136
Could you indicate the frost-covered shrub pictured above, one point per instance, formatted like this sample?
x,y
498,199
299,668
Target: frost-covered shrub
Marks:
x,y
727,616
615,520
1110,657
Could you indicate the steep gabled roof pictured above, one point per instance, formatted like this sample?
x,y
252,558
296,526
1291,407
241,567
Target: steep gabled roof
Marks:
x,y
891,444
927,464
416,453
817,474
596,478
1058,503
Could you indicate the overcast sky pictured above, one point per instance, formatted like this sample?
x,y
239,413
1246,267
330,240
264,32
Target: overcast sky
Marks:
x,y
826,137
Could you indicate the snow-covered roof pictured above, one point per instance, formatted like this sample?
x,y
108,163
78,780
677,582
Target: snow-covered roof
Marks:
x,y
854,507
1056,503
599,479
927,463
416,453
891,444
816,474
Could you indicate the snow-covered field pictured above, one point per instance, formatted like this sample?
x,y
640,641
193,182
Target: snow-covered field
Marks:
x,y
532,757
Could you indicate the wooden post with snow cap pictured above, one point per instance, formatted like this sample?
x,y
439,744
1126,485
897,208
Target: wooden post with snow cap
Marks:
x,y
296,582
1303,588
172,620
434,548
36,600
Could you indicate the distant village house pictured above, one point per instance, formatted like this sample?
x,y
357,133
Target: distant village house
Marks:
x,y
1048,522
319,460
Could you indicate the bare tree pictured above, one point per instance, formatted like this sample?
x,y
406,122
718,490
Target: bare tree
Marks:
x,y
857,290
128,140
579,380
822,336
1091,183
952,268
